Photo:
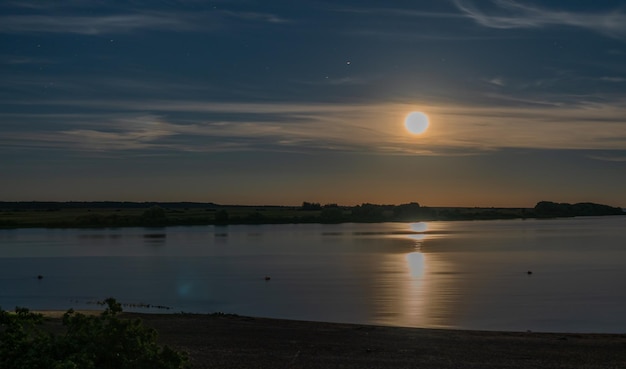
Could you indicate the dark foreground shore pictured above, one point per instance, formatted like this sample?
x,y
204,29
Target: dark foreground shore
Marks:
x,y
225,341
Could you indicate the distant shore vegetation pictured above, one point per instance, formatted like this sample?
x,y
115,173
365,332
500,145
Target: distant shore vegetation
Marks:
x,y
159,214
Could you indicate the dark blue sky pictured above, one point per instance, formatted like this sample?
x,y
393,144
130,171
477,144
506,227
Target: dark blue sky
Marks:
x,y
279,102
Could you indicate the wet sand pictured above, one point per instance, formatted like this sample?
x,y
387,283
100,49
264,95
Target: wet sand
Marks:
x,y
227,341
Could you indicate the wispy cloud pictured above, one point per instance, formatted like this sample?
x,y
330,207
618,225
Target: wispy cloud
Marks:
x,y
179,21
254,16
114,134
581,127
609,157
430,35
297,127
613,79
498,81
94,25
13,59
336,81
514,14
406,24
397,12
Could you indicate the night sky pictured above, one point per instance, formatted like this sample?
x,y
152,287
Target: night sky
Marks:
x,y
280,102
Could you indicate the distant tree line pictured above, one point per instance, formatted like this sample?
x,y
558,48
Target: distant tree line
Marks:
x,y
54,205
172,214
548,209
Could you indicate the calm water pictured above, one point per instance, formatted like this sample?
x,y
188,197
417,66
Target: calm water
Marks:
x,y
436,274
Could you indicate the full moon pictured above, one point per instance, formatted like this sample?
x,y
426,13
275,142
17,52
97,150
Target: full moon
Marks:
x,y
416,122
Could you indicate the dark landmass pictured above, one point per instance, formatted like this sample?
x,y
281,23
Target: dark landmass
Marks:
x,y
159,214
230,341
547,209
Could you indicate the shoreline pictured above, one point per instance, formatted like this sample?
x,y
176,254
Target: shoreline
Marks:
x,y
233,341
131,314
16,215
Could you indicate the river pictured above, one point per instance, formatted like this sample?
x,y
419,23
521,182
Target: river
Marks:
x,y
565,275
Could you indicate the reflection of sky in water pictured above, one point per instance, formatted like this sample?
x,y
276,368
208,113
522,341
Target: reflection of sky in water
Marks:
x,y
419,227
415,260
434,274
416,289
473,275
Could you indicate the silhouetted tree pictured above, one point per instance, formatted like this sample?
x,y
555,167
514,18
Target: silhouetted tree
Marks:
x,y
408,212
311,206
548,209
369,213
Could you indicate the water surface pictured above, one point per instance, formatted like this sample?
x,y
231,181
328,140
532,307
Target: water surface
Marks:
x,y
470,274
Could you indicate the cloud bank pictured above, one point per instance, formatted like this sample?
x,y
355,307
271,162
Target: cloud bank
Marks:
x,y
207,126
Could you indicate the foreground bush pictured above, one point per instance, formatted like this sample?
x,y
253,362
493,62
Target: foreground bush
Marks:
x,y
89,342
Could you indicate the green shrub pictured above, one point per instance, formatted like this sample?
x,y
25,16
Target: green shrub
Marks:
x,y
89,342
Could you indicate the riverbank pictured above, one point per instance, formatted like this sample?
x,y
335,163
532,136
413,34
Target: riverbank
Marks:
x,y
229,341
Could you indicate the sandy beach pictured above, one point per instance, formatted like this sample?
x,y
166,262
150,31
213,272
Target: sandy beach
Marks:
x,y
229,341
